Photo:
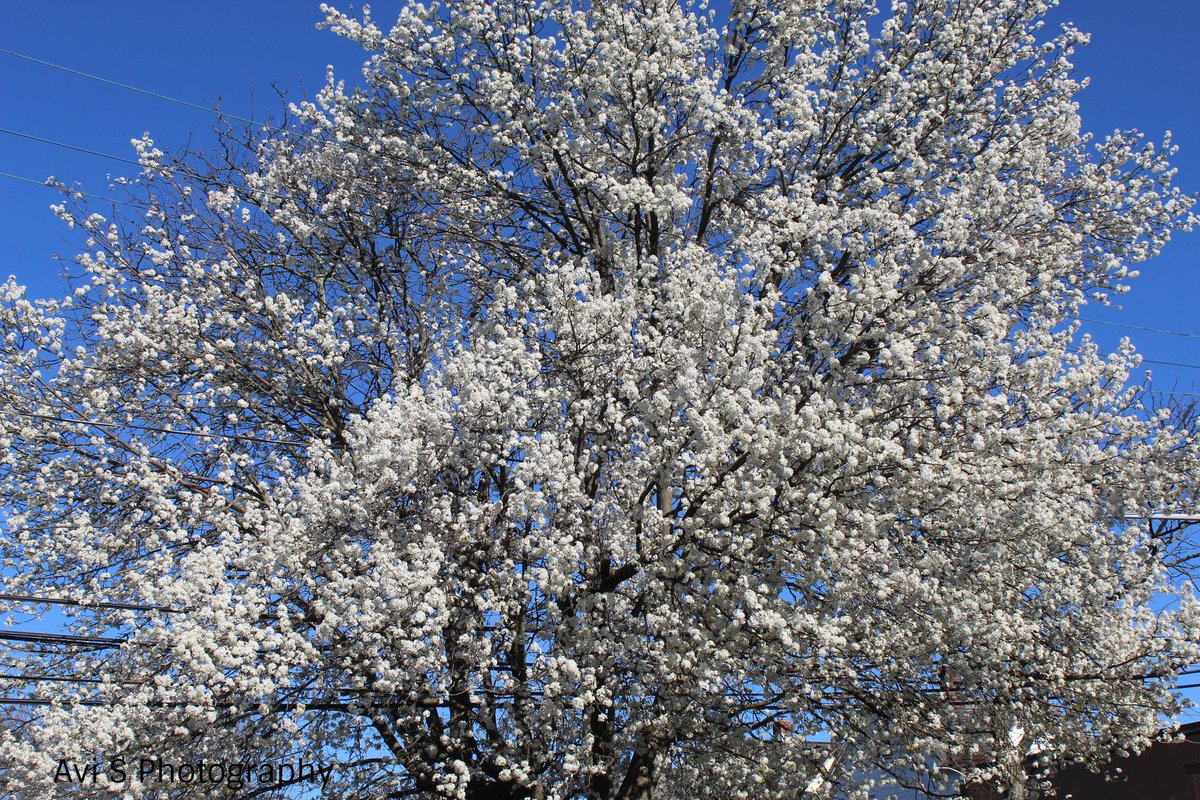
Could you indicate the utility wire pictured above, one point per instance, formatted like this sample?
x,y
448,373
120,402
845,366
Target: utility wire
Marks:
x,y
45,185
1170,363
86,150
27,678
154,429
275,707
1150,330
336,690
65,601
132,88
1143,360
61,638
1139,328
1173,392
166,168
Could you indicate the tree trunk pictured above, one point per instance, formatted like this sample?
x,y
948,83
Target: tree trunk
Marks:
x,y
641,776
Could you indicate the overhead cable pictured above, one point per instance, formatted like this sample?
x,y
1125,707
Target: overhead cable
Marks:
x,y
1139,328
31,637
132,88
164,168
66,601
46,185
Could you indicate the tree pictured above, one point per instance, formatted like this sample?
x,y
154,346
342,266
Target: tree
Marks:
x,y
600,402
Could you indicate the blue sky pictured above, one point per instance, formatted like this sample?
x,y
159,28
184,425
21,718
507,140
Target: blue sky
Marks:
x,y
1143,61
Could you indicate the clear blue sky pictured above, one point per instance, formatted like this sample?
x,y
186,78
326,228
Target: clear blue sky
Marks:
x,y
1143,60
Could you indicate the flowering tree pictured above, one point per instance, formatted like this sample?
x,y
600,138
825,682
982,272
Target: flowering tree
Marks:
x,y
599,403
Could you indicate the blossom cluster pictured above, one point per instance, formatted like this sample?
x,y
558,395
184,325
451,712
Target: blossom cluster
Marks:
x,y
602,401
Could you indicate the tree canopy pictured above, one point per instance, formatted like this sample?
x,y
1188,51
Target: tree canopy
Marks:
x,y
602,401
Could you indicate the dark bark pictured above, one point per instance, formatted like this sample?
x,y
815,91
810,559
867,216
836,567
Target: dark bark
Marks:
x,y
485,789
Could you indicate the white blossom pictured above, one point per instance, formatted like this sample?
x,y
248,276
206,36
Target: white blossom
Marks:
x,y
601,402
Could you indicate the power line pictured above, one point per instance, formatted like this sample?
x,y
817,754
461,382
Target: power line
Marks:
x,y
1143,360
46,185
1170,363
27,678
1193,517
187,173
274,707
86,150
65,601
132,88
154,429
326,691
1150,330
1140,328
62,638
1173,392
